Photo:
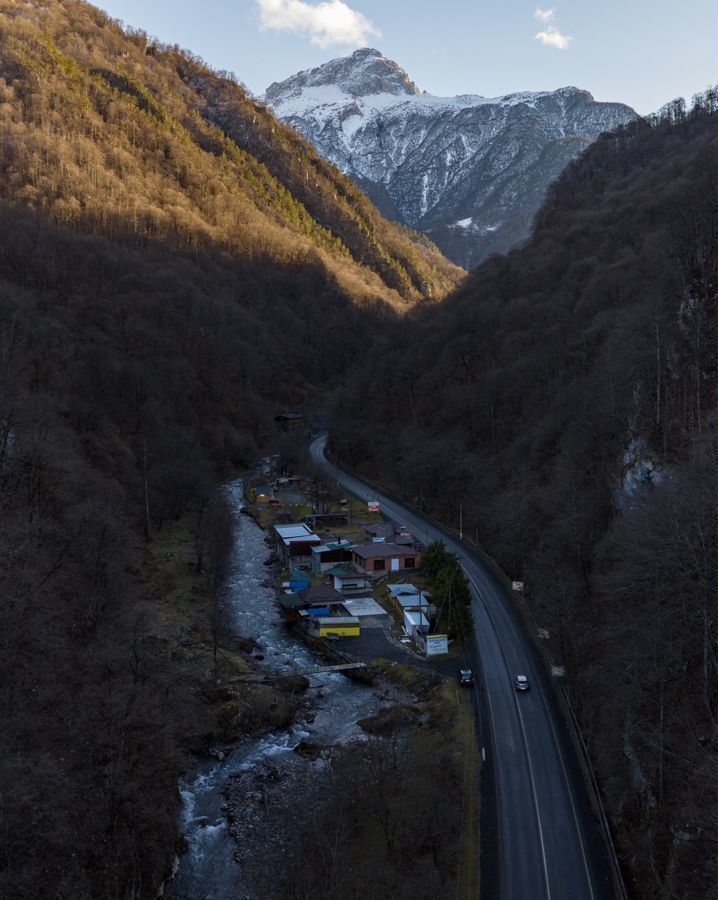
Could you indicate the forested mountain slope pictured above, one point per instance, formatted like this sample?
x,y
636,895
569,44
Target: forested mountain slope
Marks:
x,y
176,267
106,131
566,397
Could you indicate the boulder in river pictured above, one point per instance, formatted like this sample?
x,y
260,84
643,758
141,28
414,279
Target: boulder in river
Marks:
x,y
292,684
308,749
390,719
241,644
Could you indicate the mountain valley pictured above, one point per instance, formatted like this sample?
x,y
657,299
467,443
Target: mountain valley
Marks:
x,y
179,268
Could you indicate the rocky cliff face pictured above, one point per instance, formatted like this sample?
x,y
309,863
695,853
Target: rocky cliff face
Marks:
x,y
468,171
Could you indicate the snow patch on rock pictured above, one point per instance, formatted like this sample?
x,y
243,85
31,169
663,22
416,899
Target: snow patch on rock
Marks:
x,y
639,469
443,160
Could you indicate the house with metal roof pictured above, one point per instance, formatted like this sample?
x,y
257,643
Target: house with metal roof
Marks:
x,y
380,558
415,621
348,579
406,596
323,594
388,532
295,543
327,556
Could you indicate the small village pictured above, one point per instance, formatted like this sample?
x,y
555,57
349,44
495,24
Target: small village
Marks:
x,y
346,574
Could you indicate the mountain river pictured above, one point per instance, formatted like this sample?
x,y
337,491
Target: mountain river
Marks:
x,y
214,867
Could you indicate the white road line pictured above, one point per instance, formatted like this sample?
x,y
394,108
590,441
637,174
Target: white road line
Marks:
x,y
557,745
573,807
527,754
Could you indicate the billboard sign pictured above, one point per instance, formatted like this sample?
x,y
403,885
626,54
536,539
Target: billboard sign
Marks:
x,y
436,644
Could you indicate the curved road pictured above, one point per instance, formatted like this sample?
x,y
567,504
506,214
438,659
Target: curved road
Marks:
x,y
549,843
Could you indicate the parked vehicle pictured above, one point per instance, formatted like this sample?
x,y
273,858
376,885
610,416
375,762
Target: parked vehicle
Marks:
x,y
521,683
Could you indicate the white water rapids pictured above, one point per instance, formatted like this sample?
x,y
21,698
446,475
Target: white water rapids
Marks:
x,y
208,870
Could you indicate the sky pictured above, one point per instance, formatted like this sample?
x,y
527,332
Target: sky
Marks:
x,y
638,52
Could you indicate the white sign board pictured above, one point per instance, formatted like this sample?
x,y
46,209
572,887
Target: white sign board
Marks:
x,y
517,585
436,644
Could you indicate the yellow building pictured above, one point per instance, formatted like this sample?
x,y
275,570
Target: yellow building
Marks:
x,y
342,626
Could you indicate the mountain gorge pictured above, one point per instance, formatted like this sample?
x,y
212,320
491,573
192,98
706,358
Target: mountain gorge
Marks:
x,y
176,267
563,402
467,171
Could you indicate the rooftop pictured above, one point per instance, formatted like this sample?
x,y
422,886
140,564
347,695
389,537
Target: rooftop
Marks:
x,y
404,588
347,573
363,606
383,550
296,532
334,545
320,593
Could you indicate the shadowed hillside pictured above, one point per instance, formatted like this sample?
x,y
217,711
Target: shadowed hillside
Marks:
x,y
566,398
165,291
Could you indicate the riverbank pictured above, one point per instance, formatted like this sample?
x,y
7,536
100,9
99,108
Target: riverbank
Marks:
x,y
211,705
249,808
225,821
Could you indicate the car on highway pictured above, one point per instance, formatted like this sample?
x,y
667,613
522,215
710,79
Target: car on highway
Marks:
x,y
521,682
466,677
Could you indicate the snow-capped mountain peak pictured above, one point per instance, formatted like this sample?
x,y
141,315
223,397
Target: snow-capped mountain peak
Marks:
x,y
362,74
468,171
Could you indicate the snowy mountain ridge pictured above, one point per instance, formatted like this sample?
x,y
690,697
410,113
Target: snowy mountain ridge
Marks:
x,y
468,171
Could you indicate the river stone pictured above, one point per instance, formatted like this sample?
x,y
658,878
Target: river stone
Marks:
x,y
308,749
388,720
241,644
292,684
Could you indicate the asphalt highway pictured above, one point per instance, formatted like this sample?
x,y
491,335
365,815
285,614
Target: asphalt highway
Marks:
x,y
548,840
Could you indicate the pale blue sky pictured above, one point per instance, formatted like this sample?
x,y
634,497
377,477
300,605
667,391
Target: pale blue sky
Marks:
x,y
639,52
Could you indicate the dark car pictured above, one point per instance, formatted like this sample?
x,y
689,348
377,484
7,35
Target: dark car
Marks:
x,y
466,677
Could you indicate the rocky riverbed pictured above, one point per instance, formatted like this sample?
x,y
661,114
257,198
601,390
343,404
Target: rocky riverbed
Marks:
x,y
244,810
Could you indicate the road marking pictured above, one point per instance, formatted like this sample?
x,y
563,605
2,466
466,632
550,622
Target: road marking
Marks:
x,y
573,805
557,745
527,755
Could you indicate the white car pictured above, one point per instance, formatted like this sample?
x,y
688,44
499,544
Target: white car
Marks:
x,y
521,683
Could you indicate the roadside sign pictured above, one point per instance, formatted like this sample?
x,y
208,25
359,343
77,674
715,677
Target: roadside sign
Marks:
x,y
436,644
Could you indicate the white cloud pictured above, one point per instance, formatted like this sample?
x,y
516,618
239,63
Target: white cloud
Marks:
x,y
328,23
552,37
544,15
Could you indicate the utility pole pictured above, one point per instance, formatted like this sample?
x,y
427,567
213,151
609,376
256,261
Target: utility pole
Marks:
x,y
147,490
461,522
